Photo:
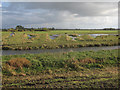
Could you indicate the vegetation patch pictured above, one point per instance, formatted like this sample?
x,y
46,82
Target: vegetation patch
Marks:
x,y
16,65
42,40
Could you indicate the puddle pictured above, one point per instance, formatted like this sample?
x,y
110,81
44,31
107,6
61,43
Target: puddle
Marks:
x,y
95,35
12,34
30,36
73,37
92,35
53,36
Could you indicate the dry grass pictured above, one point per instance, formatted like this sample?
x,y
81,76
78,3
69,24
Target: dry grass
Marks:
x,y
19,62
15,64
73,64
102,73
25,35
87,61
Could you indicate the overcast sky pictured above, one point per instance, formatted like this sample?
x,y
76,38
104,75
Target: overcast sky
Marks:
x,y
60,14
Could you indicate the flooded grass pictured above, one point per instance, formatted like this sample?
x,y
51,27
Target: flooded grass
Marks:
x,y
46,40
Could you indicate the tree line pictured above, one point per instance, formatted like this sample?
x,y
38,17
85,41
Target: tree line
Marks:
x,y
20,28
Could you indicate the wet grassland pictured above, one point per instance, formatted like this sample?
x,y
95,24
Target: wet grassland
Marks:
x,y
87,69
58,39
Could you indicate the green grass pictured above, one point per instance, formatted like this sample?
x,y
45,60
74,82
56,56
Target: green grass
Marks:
x,y
85,31
43,41
88,69
69,69
73,32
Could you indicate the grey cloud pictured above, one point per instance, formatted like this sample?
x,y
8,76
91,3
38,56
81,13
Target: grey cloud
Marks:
x,y
60,15
81,8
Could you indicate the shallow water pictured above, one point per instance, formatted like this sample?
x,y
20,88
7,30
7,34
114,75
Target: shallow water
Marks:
x,y
29,36
95,35
12,34
53,36
16,52
73,37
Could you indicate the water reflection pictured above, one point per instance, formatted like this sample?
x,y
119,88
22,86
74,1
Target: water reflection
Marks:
x,y
73,37
30,36
95,35
53,36
12,34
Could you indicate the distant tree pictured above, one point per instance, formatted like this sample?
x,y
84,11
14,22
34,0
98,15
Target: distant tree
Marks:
x,y
109,29
19,28
32,29
26,29
4,29
45,29
11,30
52,28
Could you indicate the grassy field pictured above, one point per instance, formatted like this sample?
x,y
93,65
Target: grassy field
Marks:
x,y
87,69
84,32
75,31
42,40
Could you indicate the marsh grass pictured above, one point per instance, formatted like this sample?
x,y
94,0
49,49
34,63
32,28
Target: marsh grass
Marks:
x,y
42,41
88,69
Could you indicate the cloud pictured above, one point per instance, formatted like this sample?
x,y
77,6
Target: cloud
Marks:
x,y
81,8
60,15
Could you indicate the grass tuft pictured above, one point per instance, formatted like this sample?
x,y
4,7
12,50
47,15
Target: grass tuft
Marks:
x,y
15,65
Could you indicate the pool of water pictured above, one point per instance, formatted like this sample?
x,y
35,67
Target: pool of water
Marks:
x,y
12,34
30,36
73,37
53,36
95,35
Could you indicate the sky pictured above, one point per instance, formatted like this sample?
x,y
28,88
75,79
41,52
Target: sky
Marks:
x,y
60,15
